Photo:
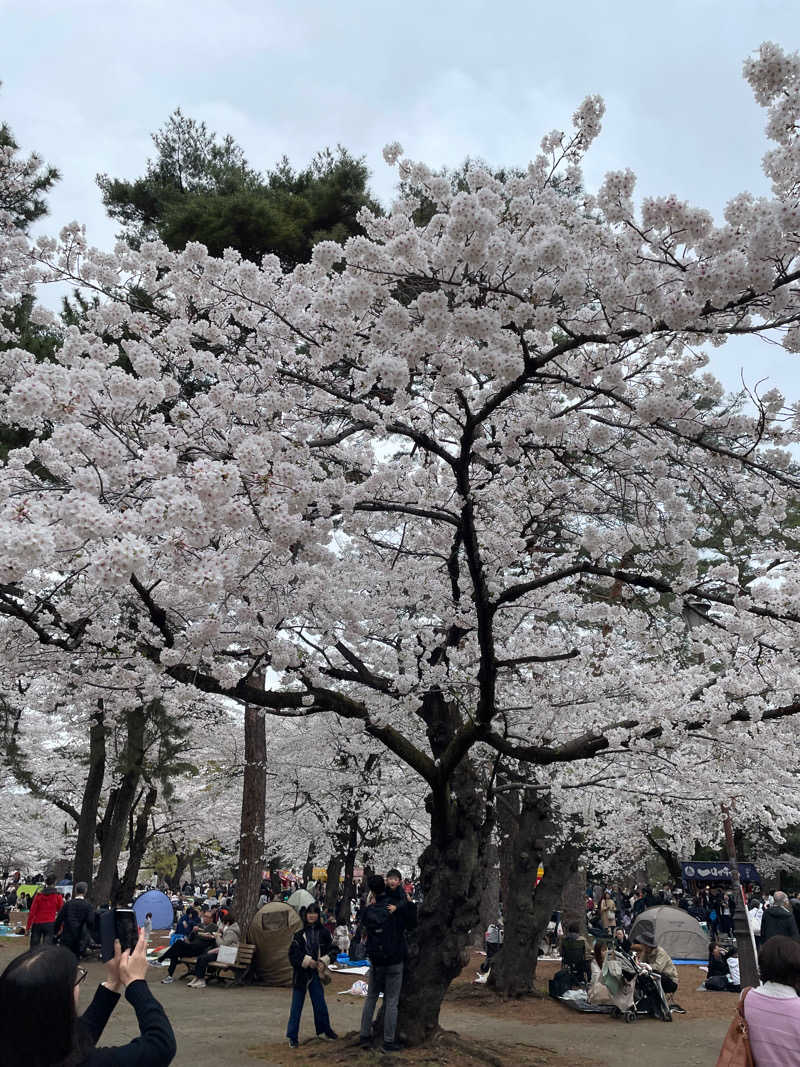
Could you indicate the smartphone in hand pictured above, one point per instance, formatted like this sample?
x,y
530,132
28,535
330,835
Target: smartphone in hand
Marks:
x,y
118,923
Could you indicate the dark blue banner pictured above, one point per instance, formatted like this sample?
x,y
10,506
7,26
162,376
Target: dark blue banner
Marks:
x,y
717,871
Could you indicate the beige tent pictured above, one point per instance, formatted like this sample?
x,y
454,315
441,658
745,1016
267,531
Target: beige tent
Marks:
x,y
271,931
676,931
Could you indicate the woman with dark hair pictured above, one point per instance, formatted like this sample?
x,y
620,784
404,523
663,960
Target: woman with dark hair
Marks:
x,y
39,993
598,992
311,950
772,1010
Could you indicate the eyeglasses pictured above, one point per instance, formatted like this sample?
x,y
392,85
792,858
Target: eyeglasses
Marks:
x,y
82,972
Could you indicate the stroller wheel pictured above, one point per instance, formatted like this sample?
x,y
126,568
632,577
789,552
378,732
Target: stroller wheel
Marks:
x,y
616,1013
630,1016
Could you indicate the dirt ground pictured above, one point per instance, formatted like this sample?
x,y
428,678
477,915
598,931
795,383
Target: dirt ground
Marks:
x,y
225,1027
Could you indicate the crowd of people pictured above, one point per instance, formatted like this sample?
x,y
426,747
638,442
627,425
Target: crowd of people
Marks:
x,y
64,931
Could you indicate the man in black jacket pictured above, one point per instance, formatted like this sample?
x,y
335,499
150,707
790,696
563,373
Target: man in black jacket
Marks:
x,y
75,920
386,919
778,919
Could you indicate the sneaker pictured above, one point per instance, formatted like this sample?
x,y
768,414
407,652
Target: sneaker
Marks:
x,y
364,1042
329,1035
167,980
198,983
390,1046
293,1043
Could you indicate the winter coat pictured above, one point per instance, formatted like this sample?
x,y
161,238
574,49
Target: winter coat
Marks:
x,y
301,947
231,935
395,923
608,914
74,921
45,906
777,920
661,962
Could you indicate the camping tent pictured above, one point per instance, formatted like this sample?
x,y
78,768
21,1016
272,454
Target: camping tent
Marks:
x,y
300,899
159,904
677,932
271,931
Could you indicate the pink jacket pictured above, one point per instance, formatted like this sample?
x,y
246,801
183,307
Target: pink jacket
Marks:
x,y
774,1023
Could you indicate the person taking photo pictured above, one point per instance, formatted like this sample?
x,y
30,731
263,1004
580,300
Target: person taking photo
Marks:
x,y
39,996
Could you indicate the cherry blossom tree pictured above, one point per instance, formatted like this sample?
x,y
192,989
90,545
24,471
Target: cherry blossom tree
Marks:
x,y
456,483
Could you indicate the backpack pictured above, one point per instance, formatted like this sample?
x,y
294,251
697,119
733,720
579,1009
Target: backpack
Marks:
x,y
560,983
385,941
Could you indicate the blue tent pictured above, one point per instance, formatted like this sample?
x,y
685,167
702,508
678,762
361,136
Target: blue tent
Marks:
x,y
159,904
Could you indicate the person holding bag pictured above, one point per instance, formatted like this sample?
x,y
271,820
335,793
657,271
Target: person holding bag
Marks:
x,y
766,1029
310,952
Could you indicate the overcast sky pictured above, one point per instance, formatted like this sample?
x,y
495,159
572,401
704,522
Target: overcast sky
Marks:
x,y
87,81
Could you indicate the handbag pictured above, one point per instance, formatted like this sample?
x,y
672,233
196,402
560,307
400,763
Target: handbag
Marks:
x,y
736,1051
227,954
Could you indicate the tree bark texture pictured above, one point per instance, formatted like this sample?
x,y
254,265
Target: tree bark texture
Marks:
x,y
348,886
671,861
449,878
528,907
115,820
490,893
275,884
308,866
137,847
83,867
573,899
251,832
332,884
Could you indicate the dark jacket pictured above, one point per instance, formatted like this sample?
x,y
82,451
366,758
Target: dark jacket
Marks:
x,y
718,967
392,927
777,920
75,920
301,947
155,1046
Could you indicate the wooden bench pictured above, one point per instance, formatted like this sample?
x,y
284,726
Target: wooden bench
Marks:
x,y
239,971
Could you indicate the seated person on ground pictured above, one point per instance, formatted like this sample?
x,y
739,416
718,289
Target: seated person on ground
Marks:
x,y
599,993
621,940
573,954
656,958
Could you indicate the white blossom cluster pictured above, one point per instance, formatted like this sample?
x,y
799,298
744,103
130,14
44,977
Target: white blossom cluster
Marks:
x,y
478,457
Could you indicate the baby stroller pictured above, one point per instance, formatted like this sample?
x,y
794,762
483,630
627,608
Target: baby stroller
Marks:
x,y
619,977
649,996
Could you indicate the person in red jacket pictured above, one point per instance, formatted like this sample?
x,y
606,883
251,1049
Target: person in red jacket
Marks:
x,y
45,906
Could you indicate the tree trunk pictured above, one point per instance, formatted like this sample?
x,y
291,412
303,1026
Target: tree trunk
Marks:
x,y
275,883
490,893
137,848
670,858
745,944
332,884
251,834
528,908
573,899
449,878
348,887
83,867
308,866
115,822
